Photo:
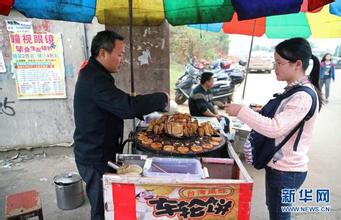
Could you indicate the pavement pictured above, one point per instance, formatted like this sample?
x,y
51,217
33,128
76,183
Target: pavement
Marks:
x,y
35,169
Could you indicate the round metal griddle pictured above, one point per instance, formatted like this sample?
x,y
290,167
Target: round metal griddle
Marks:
x,y
206,152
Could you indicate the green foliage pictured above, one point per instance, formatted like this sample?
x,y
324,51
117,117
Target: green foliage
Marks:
x,y
187,42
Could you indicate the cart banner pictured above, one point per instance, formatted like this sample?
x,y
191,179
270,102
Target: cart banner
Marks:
x,y
38,65
209,202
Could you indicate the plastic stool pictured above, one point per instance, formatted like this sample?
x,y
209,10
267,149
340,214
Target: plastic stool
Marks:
x,y
23,205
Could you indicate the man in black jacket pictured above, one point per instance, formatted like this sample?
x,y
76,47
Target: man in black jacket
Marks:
x,y
99,110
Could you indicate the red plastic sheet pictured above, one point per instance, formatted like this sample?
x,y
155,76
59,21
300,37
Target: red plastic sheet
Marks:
x,y
245,196
124,201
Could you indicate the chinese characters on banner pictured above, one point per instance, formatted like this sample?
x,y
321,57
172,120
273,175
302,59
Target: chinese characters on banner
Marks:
x,y
194,208
38,65
186,202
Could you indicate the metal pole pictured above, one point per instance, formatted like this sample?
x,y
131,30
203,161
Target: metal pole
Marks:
x,y
248,62
131,49
85,42
131,43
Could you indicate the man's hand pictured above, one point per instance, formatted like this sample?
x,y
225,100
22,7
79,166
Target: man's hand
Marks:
x,y
208,113
232,109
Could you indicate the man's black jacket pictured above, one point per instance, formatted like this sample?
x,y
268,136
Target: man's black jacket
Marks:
x,y
99,110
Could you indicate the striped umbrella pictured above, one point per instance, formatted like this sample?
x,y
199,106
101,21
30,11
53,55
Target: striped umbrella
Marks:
x,y
321,23
154,12
310,21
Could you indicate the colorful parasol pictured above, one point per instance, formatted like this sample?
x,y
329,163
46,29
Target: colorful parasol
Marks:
x,y
321,23
315,18
176,12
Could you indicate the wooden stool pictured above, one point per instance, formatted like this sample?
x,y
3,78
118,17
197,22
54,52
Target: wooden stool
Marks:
x,y
23,205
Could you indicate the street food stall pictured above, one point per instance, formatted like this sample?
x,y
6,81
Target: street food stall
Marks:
x,y
178,170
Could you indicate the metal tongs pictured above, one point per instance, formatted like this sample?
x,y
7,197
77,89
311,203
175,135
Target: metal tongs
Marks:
x,y
113,165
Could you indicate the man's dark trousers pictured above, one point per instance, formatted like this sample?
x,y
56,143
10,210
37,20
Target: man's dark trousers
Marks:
x,y
92,176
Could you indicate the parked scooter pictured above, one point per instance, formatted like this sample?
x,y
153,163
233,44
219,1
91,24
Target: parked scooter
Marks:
x,y
225,70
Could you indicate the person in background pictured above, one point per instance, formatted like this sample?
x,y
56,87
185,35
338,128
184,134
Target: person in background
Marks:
x,y
201,104
99,111
289,166
327,74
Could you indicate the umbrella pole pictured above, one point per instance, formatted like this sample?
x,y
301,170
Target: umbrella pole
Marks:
x,y
131,43
132,86
85,42
249,58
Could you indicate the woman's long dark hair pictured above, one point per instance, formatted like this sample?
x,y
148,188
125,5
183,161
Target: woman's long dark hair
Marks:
x,y
299,49
324,57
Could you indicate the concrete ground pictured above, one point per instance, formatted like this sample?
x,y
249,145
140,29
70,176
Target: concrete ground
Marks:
x,y
36,169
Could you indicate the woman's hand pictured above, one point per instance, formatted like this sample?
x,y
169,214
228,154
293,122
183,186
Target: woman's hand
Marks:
x,y
218,117
232,109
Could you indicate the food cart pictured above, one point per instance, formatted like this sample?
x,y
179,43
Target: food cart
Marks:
x,y
173,187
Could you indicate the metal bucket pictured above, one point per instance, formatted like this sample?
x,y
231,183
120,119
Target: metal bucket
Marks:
x,y
69,190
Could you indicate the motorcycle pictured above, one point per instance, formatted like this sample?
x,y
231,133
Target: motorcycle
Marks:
x,y
222,89
220,64
224,69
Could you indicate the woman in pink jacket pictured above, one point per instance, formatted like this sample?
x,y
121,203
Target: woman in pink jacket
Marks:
x,y
288,167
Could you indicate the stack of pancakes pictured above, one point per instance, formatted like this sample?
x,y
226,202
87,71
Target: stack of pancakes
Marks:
x,y
179,133
180,125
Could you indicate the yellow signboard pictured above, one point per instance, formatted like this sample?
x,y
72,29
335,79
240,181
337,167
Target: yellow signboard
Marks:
x,y
38,65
